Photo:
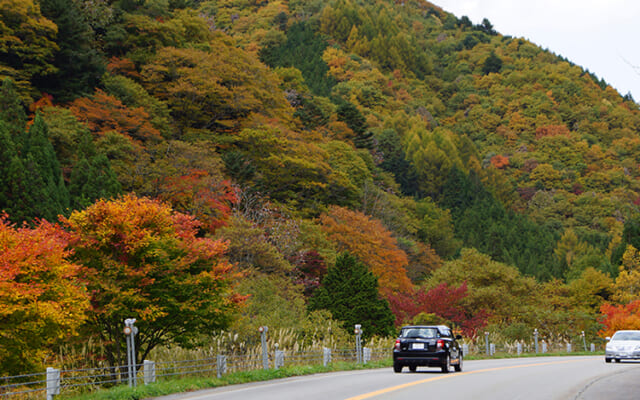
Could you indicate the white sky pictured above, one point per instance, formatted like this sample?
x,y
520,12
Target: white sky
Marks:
x,y
602,36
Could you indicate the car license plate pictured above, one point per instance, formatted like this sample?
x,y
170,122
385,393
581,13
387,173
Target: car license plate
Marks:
x,y
417,346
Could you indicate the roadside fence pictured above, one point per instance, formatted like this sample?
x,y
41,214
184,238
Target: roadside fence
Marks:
x,y
48,384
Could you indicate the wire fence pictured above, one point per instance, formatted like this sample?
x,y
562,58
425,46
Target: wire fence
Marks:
x,y
47,384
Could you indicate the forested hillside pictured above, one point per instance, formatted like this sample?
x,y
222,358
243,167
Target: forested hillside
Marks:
x,y
284,158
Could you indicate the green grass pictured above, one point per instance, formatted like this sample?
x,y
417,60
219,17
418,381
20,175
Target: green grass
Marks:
x,y
179,385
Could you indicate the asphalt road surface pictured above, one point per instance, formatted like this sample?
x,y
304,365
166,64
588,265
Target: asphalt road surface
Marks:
x,y
547,378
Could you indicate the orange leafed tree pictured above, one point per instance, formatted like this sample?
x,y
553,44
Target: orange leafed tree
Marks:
x,y
201,195
41,300
104,113
499,161
617,317
372,243
143,260
551,130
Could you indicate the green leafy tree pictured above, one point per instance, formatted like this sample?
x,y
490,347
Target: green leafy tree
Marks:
x,y
350,292
209,91
249,248
27,44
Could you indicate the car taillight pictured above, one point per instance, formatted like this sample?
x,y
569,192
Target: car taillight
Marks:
x,y
440,344
397,346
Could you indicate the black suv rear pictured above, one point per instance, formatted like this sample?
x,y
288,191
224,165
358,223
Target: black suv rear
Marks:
x,y
429,346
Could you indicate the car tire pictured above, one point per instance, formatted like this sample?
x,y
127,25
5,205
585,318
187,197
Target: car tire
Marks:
x,y
397,368
458,366
446,366
607,360
413,368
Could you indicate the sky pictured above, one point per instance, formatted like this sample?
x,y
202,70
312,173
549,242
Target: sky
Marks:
x,y
602,36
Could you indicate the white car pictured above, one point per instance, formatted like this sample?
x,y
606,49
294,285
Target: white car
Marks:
x,y
624,345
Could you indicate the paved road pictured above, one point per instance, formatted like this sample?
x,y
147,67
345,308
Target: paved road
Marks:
x,y
548,378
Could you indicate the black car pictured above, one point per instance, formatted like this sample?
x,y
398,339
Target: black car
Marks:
x,y
429,346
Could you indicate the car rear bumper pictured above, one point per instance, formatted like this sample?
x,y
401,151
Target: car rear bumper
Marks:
x,y
622,355
427,359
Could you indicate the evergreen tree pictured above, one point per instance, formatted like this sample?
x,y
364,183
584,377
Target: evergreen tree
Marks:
x,y
492,64
630,236
8,155
350,115
483,223
394,161
11,109
303,49
80,66
350,292
45,193
92,177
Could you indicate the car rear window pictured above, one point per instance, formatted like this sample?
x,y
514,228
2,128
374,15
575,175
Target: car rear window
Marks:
x,y
627,336
425,333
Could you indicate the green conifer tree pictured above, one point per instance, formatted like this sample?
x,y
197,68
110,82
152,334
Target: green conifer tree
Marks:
x,y
8,155
46,195
350,292
80,65
92,177
11,109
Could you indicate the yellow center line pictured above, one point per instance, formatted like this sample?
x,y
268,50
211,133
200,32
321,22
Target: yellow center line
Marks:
x,y
420,382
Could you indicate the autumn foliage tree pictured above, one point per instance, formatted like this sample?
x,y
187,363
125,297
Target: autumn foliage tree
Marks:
x,y
142,260
41,299
372,243
104,113
445,301
617,317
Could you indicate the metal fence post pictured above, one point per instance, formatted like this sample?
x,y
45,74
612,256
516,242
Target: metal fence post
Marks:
x,y
53,382
535,338
149,371
263,339
326,356
221,365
